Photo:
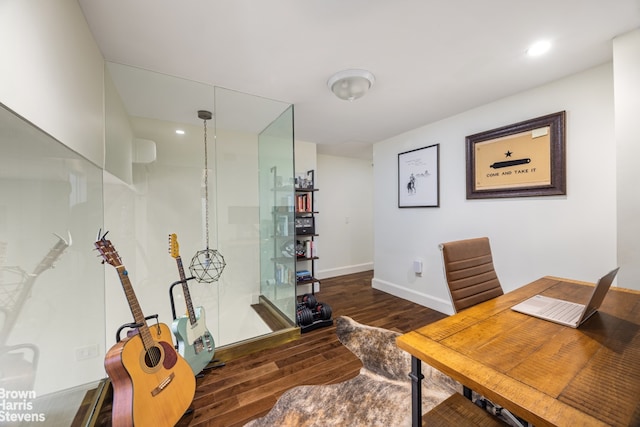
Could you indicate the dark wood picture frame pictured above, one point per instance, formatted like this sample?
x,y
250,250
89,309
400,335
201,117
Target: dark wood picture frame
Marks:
x,y
534,162
419,178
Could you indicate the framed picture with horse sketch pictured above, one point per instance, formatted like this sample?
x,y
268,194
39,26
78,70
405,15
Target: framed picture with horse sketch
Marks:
x,y
419,178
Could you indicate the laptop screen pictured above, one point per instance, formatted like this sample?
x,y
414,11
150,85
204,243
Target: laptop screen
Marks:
x,y
599,293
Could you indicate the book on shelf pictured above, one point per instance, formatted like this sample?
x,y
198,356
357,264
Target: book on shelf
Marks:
x,y
304,203
303,275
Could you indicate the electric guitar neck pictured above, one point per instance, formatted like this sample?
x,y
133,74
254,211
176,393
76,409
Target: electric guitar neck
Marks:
x,y
195,342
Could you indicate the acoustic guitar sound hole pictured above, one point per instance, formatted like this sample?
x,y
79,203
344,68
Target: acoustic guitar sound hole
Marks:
x,y
153,356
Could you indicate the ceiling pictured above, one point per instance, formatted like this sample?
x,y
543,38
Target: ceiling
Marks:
x,y
431,59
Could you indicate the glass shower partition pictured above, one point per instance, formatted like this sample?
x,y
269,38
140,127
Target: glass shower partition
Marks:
x,y
277,216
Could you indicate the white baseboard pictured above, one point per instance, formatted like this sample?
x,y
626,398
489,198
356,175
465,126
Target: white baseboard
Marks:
x,y
342,271
438,304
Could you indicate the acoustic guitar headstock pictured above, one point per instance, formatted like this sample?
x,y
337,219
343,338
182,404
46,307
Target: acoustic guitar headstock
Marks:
x,y
108,252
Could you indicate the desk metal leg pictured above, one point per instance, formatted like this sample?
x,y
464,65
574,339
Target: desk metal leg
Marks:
x,y
416,392
466,392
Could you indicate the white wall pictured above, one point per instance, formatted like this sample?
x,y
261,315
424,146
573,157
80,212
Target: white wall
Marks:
x,y
344,201
345,221
118,134
570,236
52,72
626,65
52,75
305,157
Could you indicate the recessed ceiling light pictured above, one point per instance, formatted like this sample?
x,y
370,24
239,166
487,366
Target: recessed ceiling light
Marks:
x,y
179,131
538,48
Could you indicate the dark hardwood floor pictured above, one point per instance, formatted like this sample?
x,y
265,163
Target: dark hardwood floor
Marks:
x,y
247,387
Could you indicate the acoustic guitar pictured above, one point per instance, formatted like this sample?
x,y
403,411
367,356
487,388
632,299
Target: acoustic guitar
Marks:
x,y
152,384
195,342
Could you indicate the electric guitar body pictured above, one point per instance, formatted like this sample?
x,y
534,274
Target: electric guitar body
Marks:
x,y
195,342
152,384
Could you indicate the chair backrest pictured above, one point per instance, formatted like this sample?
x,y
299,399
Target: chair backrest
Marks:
x,y
468,266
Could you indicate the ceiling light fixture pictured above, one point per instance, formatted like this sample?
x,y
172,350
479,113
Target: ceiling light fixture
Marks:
x,y
539,48
350,85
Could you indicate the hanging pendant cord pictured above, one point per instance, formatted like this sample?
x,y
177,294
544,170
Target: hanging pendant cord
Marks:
x,y
206,186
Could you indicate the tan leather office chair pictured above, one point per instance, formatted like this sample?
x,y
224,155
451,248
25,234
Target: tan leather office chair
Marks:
x,y
472,279
468,266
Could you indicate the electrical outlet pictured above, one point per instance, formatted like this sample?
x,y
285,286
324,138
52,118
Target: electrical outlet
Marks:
x,y
87,352
417,267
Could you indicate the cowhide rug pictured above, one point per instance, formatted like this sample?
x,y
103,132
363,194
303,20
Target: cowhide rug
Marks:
x,y
380,395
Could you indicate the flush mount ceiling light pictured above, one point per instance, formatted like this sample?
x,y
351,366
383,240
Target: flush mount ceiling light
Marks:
x,y
350,85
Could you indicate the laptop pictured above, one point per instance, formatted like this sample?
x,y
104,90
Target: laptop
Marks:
x,y
565,312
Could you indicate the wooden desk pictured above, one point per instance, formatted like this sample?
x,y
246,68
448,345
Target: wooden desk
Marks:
x,y
545,373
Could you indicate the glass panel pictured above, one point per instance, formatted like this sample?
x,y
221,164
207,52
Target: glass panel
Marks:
x,y
52,317
277,242
168,196
240,119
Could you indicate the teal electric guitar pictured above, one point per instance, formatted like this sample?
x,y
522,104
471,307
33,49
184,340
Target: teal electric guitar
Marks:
x,y
195,342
